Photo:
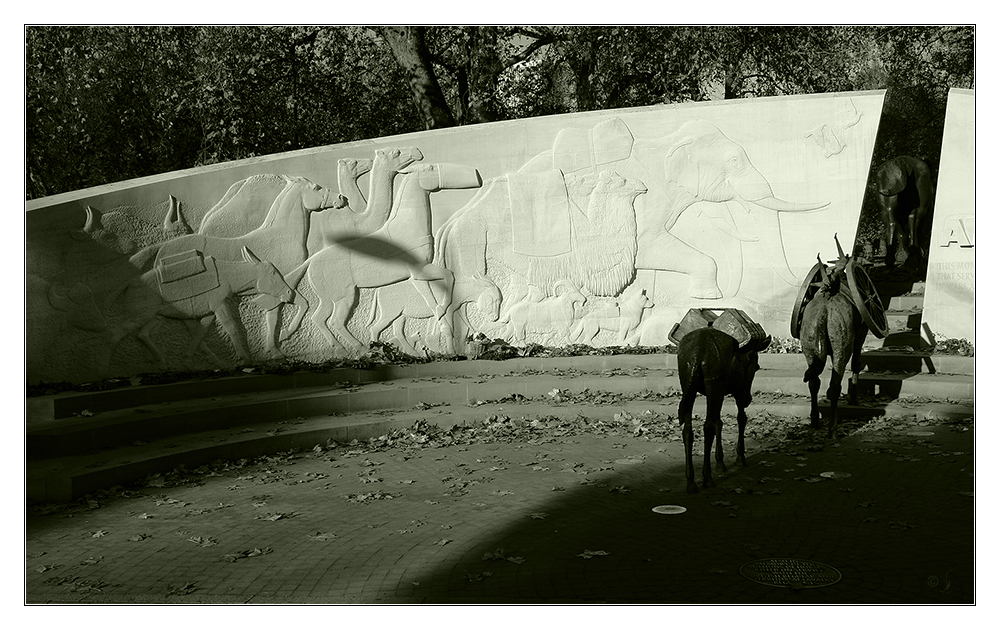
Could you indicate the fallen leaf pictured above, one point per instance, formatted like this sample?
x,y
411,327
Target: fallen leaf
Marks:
x,y
186,589
47,567
539,515
322,536
92,560
444,541
99,534
478,577
558,489
587,553
139,537
494,555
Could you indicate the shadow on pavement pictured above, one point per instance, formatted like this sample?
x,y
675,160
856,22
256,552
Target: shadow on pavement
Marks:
x,y
777,507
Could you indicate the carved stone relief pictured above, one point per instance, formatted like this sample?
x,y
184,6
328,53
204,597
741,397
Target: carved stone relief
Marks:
x,y
602,238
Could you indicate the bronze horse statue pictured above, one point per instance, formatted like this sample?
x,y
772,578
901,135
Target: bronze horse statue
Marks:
x,y
906,200
832,326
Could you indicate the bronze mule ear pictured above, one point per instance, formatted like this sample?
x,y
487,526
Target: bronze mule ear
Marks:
x,y
763,343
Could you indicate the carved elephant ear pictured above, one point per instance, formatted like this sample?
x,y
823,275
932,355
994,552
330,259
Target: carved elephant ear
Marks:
x,y
249,256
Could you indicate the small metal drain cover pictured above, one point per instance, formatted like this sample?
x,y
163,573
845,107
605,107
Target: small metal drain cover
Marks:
x,y
670,509
790,573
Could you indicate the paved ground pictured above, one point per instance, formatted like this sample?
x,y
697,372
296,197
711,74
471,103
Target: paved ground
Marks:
x,y
511,513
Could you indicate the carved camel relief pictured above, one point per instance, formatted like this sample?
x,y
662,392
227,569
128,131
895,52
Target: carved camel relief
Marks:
x,y
597,229
401,249
547,222
698,162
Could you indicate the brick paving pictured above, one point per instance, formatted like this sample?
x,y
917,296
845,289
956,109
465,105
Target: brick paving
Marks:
x,y
512,522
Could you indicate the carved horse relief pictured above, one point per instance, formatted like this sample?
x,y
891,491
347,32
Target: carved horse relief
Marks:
x,y
397,304
196,289
280,239
401,249
244,206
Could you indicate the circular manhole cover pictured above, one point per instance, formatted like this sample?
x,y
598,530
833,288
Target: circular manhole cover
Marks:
x,y
790,573
670,509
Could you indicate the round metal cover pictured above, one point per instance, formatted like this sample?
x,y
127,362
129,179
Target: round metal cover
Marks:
x,y
835,475
790,573
670,509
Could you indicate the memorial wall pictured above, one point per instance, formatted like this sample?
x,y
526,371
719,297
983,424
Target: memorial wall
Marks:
x,y
950,294
599,228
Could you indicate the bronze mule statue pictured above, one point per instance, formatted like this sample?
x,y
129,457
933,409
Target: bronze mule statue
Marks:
x,y
713,363
832,327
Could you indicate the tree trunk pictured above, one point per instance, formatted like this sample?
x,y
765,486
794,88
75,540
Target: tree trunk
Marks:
x,y
484,69
410,50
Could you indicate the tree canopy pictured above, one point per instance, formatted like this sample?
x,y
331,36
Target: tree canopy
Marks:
x,y
110,103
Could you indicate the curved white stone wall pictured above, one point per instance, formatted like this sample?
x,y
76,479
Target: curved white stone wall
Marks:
x,y
600,228
950,296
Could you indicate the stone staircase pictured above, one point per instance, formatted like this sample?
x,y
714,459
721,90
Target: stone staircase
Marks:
x,y
79,443
906,347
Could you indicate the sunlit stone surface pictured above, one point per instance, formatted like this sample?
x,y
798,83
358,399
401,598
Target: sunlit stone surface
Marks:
x,y
601,228
950,295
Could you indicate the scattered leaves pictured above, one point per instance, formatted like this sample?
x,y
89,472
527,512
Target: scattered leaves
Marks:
x,y
587,554
47,567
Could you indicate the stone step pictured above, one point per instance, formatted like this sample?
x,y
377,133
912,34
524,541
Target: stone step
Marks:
x,y
903,320
116,428
71,477
906,303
